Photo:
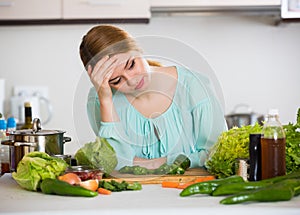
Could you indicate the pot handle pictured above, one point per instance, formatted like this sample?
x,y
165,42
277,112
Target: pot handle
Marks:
x,y
7,142
13,143
24,144
67,139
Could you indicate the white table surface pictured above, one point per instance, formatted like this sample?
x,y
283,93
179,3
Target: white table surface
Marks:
x,y
152,199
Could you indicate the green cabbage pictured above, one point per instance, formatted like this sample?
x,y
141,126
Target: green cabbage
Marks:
x,y
36,166
99,154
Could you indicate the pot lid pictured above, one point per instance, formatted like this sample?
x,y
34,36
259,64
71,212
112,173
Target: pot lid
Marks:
x,y
37,130
38,133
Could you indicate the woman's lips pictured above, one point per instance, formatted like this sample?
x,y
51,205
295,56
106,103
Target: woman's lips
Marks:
x,y
140,84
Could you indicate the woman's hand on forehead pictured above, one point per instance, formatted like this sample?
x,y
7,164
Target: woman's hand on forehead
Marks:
x,y
123,58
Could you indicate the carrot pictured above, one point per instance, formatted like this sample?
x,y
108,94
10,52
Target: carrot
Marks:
x,y
172,184
184,185
104,191
169,184
205,178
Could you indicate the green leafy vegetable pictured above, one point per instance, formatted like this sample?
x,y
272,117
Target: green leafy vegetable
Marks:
x,y
35,167
115,186
234,143
293,145
231,145
99,154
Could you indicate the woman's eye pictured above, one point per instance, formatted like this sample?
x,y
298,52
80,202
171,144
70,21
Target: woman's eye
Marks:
x,y
115,82
132,64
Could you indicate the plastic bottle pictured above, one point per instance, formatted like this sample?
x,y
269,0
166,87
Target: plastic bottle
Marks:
x,y
2,129
11,126
28,116
272,147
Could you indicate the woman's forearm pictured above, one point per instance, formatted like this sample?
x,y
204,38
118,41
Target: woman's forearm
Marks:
x,y
108,112
149,163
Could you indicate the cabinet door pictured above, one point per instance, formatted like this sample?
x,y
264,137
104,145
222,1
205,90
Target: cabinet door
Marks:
x,y
210,3
30,9
105,9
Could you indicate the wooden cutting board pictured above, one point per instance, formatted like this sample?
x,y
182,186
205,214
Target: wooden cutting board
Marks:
x,y
189,175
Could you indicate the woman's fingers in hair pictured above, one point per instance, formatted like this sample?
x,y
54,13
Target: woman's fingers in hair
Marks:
x,y
108,74
105,64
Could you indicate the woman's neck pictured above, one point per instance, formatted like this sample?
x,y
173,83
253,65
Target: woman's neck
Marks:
x,y
155,100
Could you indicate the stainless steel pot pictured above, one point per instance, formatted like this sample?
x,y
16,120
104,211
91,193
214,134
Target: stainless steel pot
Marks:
x,y
22,142
243,115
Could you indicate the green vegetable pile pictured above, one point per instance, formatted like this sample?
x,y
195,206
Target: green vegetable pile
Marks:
x,y
293,145
234,144
178,167
115,186
99,154
35,167
236,190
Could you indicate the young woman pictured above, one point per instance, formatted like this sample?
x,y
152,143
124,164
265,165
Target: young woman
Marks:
x,y
148,113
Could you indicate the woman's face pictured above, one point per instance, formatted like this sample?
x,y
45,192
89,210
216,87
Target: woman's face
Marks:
x,y
131,74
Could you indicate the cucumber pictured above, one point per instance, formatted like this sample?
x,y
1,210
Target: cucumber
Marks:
x,y
182,161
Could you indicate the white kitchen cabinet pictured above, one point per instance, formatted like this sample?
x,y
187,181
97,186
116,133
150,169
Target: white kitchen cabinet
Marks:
x,y
30,9
207,5
91,11
179,3
73,11
106,9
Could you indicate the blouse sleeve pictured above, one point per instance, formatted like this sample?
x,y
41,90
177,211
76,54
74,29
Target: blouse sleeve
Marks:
x,y
209,122
112,131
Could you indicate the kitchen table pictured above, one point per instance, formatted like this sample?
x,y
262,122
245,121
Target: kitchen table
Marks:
x,y
152,199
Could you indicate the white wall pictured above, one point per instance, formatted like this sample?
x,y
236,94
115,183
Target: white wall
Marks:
x,y
255,62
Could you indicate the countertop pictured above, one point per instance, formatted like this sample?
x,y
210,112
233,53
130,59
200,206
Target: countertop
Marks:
x,y
152,199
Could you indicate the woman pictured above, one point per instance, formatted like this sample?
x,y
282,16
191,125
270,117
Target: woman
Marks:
x,y
149,113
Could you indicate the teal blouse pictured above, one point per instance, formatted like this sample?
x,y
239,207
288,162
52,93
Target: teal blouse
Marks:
x,y
190,126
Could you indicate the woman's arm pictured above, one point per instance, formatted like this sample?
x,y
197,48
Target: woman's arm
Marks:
x,y
149,163
209,123
99,76
108,112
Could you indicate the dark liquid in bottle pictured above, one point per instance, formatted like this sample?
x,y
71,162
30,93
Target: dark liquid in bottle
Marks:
x,y
272,157
5,168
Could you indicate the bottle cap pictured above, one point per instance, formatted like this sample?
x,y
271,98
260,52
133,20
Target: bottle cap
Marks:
x,y
27,104
11,122
254,138
2,124
273,112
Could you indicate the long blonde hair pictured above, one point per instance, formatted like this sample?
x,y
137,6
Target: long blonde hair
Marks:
x,y
105,40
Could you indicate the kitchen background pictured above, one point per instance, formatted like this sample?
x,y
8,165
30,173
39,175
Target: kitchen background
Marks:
x,y
255,61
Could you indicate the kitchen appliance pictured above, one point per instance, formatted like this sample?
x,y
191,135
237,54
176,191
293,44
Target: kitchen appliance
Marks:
x,y
41,107
243,115
22,142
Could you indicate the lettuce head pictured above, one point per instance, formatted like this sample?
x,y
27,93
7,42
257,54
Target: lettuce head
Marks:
x,y
36,166
99,154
